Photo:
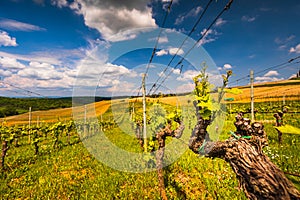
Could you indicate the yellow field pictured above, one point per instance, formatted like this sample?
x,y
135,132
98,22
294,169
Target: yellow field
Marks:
x,y
173,100
55,115
273,91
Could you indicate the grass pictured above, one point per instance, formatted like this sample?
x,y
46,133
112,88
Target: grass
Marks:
x,y
71,172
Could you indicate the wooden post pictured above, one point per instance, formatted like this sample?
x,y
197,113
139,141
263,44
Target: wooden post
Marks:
x,y
29,124
84,126
37,121
252,95
144,113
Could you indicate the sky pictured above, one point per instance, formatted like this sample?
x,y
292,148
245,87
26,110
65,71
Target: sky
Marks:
x,y
102,47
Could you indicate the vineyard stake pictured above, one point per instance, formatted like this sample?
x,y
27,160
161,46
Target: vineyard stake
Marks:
x,y
252,95
144,113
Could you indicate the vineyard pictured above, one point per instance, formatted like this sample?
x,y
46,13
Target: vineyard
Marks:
x,y
50,160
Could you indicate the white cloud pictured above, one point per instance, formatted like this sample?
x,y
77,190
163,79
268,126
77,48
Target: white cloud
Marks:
x,y
6,40
271,73
32,84
194,12
173,51
163,40
176,71
10,63
179,19
13,25
40,71
209,36
185,88
123,87
295,49
112,18
227,66
162,52
220,22
248,18
188,75
5,73
51,56
267,79
293,76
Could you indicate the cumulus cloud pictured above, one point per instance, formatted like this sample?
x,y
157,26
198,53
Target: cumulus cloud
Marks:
x,y
188,75
40,71
268,77
51,56
188,87
94,71
208,36
176,71
6,40
172,51
293,76
13,25
5,73
163,40
162,52
227,66
112,18
177,51
32,84
295,49
271,73
10,63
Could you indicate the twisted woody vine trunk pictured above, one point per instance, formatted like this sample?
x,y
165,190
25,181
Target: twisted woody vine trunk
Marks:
x,y
5,148
279,117
161,138
257,175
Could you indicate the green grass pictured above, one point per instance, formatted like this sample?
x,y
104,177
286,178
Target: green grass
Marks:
x,y
71,172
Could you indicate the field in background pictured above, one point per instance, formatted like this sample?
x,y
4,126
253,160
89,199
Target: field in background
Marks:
x,y
263,92
56,115
272,91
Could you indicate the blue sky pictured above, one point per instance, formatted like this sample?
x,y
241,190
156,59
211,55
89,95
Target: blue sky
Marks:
x,y
60,47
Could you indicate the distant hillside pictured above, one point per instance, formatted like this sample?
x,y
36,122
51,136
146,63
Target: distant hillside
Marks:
x,y
60,114
269,91
15,106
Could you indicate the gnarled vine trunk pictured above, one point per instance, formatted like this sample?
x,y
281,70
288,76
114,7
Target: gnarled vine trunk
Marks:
x,y
5,147
257,175
161,138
